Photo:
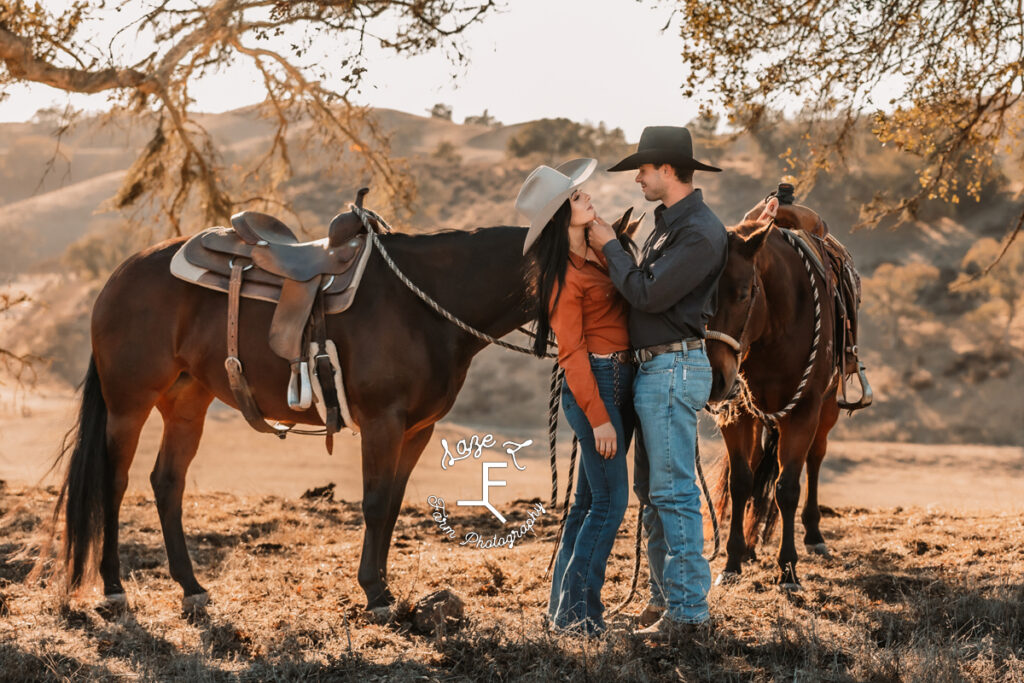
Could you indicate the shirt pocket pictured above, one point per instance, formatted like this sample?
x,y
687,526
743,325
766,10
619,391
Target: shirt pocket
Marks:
x,y
602,292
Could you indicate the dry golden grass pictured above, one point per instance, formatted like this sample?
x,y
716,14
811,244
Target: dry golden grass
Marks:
x,y
907,595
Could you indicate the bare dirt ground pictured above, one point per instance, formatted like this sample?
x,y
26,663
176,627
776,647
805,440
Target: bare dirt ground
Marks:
x,y
234,458
923,583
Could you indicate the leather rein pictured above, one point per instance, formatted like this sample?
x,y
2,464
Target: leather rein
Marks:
x,y
732,342
736,344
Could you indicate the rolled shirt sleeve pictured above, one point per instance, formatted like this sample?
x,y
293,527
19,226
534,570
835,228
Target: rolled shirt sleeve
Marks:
x,y
567,324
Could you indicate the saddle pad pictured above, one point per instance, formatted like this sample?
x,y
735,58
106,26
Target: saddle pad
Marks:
x,y
214,274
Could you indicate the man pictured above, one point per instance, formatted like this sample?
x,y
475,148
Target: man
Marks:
x,y
672,292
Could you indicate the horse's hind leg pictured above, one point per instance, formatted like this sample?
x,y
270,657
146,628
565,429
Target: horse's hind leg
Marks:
x,y
814,542
123,429
739,441
183,408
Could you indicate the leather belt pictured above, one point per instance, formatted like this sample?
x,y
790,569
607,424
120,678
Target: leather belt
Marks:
x,y
646,353
621,356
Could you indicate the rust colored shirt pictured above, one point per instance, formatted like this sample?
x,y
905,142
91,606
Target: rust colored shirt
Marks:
x,y
590,317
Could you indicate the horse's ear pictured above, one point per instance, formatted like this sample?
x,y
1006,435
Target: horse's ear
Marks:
x,y
634,225
750,245
620,224
625,229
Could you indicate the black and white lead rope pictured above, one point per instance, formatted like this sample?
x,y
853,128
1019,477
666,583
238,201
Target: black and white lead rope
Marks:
x,y
745,398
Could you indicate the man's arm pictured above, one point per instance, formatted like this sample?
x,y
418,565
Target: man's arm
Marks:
x,y
657,286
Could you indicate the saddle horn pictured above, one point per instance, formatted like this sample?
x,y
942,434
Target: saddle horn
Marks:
x,y
359,196
786,192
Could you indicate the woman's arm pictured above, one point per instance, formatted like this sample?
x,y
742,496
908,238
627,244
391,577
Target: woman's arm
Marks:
x,y
567,324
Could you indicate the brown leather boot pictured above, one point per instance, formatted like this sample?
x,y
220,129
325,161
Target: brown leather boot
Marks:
x,y
650,615
674,632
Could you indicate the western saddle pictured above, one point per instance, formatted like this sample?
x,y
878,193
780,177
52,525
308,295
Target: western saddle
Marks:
x,y
835,264
259,257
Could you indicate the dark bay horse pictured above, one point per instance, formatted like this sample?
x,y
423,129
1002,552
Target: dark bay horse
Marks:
x,y
160,342
766,303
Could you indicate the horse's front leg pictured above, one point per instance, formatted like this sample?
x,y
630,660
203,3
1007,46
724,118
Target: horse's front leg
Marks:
x,y
412,448
795,437
814,542
382,439
739,442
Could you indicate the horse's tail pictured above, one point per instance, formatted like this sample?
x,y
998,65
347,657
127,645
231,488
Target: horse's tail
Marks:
x,y
84,492
762,510
720,492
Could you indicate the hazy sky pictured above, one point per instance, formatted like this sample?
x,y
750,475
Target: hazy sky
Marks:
x,y
588,61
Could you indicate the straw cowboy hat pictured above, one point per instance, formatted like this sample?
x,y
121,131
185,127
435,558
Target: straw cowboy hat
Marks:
x,y
663,145
546,189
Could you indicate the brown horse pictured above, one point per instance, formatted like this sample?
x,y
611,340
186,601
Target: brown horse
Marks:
x,y
160,342
766,304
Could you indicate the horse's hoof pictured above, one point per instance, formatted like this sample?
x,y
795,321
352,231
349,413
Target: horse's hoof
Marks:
x,y
195,604
817,549
726,578
790,587
380,615
113,603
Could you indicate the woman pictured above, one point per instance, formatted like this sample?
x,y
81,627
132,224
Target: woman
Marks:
x,y
579,304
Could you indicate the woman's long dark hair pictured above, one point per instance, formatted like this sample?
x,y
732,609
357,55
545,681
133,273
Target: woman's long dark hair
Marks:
x,y
552,249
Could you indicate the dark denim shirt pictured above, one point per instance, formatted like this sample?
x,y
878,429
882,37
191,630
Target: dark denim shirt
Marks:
x,y
674,289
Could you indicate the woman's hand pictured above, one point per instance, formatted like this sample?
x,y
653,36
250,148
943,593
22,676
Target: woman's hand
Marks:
x,y
606,440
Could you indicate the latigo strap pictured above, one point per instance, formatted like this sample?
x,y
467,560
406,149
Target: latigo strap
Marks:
x,y
239,386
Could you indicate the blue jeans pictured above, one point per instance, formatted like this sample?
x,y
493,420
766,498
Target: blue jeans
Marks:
x,y
669,391
602,494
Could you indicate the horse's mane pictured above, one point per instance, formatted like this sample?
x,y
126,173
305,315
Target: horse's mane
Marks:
x,y
414,237
745,228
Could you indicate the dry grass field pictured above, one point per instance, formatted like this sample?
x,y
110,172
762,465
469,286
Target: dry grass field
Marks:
x,y
930,591
908,594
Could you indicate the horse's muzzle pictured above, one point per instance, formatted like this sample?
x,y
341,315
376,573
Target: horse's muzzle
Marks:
x,y
722,389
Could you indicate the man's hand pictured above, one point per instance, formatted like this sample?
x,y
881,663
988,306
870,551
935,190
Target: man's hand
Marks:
x,y
600,233
771,207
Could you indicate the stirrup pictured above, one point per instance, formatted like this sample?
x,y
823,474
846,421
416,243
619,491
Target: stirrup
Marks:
x,y
866,395
300,394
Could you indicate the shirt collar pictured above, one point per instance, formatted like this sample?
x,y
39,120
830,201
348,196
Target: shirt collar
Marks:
x,y
682,208
578,261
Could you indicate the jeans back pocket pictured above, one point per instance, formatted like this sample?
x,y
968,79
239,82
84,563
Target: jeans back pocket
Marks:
x,y
696,385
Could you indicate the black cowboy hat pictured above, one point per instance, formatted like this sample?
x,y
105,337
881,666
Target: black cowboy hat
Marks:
x,y
663,145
